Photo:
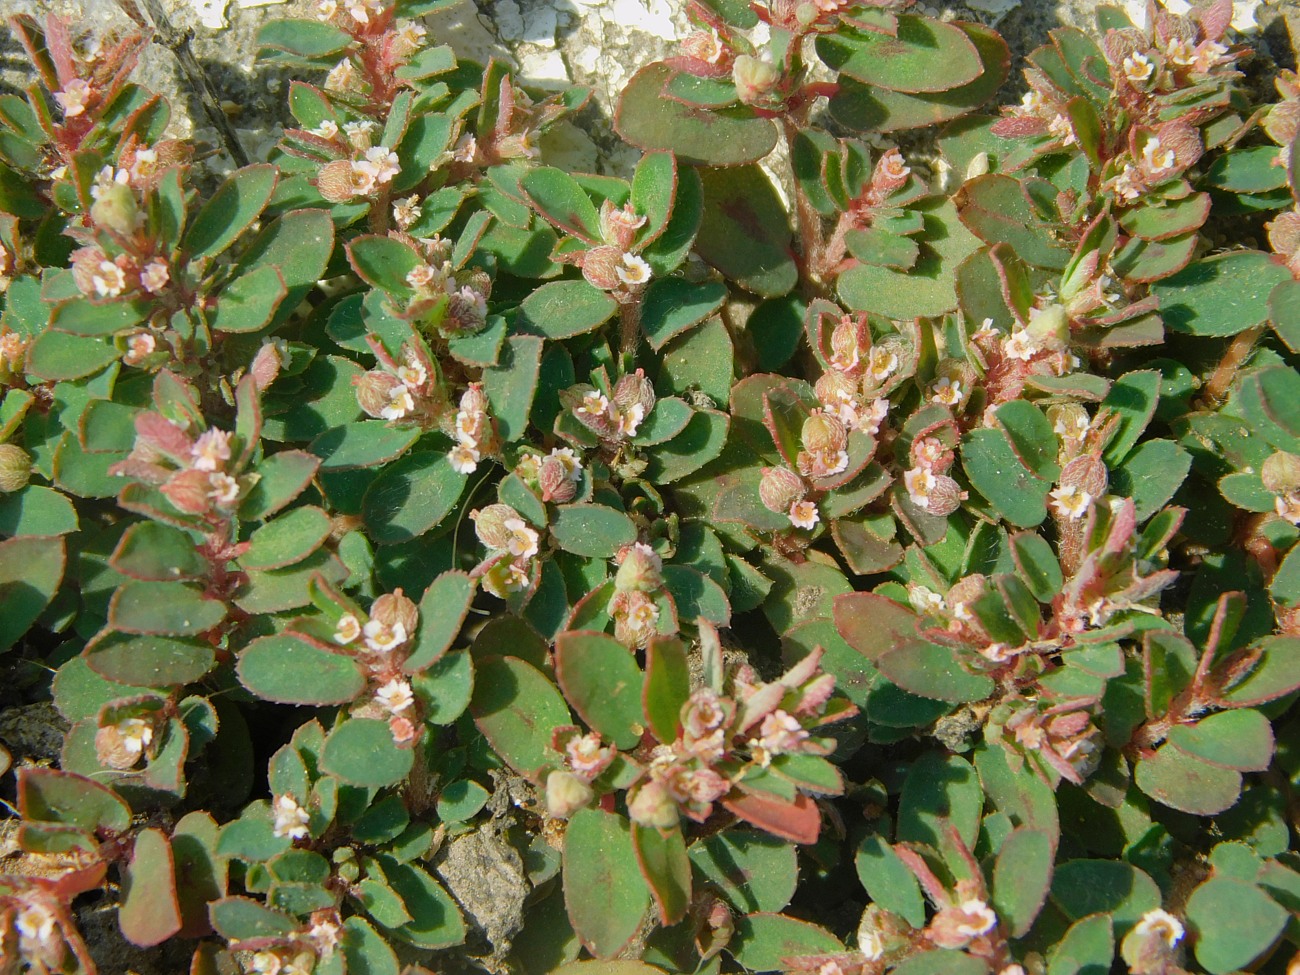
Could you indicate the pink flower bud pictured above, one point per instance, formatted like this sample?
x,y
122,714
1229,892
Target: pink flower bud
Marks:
x,y
635,390
823,433
554,480
566,794
640,569
490,525
393,609
375,391
600,267
15,468
780,488
652,805
189,491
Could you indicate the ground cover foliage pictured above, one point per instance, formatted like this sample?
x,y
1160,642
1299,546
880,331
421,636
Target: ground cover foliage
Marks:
x,y
441,559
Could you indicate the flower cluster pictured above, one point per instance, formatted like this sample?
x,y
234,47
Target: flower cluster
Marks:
x,y
409,391
381,639
475,431
633,607
512,546
614,264
613,416
926,482
1280,474
554,476
363,169
1037,347
1062,736
455,302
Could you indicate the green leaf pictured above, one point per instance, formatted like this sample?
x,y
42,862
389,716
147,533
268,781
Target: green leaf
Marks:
x,y
1133,398
290,671
745,233
697,135
442,611
696,595
49,796
58,356
365,950
512,383
242,918
461,800
281,478
435,920
1240,739
445,687
150,911
287,539
888,880
238,201
369,443
670,306
148,661
169,608
667,686
602,682
591,530
311,39
1016,493
1252,170
516,709
762,942
1185,783
939,792
654,187
665,867
37,510
1234,922
1150,475
248,303
924,56
604,891
1284,313
1083,887
383,262
666,252
703,358
1219,295
361,752
753,871
929,670
561,200
30,572
151,550
1022,876
1087,948
411,496
563,309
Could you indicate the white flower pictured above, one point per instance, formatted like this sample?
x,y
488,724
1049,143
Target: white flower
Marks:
x,y
329,129
211,450
1072,426
919,482
108,280
400,403
1138,67
406,212
985,332
136,734
522,543
780,732
325,934
395,696
569,459
1157,159
73,98
633,270
35,924
505,578
870,944
999,653
1180,52
224,488
382,637
594,404
946,391
107,178
290,818
629,420
360,134
363,178
869,420
1063,129
155,276
1161,923
1128,183
1287,506
381,163
342,76
326,9
1071,501
803,514
881,364
981,919
924,599
412,373
348,629
138,347
1020,345
1031,101
464,458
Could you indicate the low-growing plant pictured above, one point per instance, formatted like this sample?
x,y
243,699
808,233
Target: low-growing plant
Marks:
x,y
444,559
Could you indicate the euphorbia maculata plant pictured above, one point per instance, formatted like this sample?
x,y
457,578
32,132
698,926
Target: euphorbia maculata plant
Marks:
x,y
439,557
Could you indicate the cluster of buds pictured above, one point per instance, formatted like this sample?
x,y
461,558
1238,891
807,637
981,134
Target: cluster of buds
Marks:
x,y
289,819
1039,347
1281,476
890,174
613,417
926,482
456,301
382,44
358,168
1175,51
13,356
515,133
83,83
1154,157
407,392
1062,736
381,640
475,431
614,265
950,620
1282,121
806,16
1284,239
122,743
1042,113
554,476
281,961
569,789
512,546
199,474
632,607
962,922
778,717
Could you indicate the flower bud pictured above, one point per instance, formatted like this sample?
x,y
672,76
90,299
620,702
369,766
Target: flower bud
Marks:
x,y
946,496
779,489
554,480
635,390
336,181
1281,473
600,267
15,468
653,806
835,388
1088,473
754,78
490,525
566,794
116,209
393,608
639,570
1049,326
375,391
823,433
189,491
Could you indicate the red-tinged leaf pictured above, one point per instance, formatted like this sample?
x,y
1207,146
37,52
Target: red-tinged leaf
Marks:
x,y
666,868
49,796
873,625
200,873
798,821
667,686
604,892
150,912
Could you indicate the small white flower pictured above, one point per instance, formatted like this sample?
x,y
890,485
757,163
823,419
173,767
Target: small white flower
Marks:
x,y
1031,101
266,963
985,332
211,450
325,935
925,600
869,420
1158,159
633,270
804,514
570,460
412,373
1072,426
381,163
326,9
382,637
406,212
1138,67
464,458
1071,501
73,98
138,347
1020,345
781,732
155,276
360,134
999,653
946,391
329,129
136,735
291,819
400,404
981,919
224,488
363,178
881,364
108,280
629,420
1063,129
348,629
342,76
1287,506
919,482
1161,923
1180,52
505,578
870,944
35,924
594,404
522,543
395,696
